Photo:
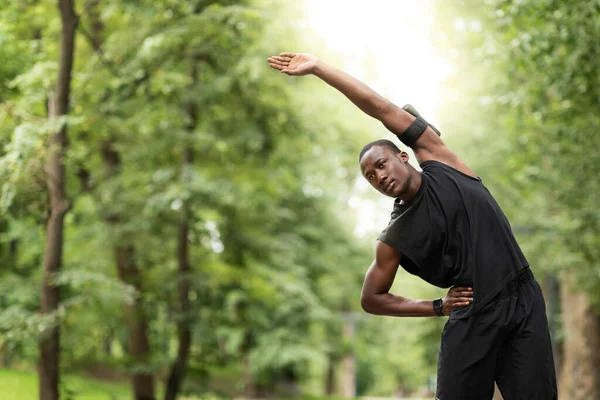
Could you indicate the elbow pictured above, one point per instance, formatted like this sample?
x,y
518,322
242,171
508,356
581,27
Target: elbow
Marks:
x,y
366,302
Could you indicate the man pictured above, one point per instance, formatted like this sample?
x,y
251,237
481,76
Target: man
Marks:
x,y
448,229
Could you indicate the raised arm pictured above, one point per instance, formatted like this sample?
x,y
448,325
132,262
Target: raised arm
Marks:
x,y
429,146
376,299
360,94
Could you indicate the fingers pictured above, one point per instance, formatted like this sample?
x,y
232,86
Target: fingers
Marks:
x,y
459,296
277,61
462,289
288,56
461,292
459,300
456,305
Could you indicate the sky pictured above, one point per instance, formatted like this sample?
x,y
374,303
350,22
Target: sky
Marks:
x,y
393,38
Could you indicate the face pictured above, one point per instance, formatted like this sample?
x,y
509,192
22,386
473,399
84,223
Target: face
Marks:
x,y
386,171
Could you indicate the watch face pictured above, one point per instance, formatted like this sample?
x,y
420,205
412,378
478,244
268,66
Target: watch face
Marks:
x,y
437,306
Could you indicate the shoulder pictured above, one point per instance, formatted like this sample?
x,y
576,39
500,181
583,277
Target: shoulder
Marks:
x,y
433,168
408,221
436,150
385,253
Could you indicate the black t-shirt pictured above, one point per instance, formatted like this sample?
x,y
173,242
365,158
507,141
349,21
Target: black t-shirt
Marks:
x,y
453,233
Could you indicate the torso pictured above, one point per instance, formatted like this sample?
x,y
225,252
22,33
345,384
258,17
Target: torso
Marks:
x,y
453,233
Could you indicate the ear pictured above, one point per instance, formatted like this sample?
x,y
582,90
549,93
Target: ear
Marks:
x,y
403,156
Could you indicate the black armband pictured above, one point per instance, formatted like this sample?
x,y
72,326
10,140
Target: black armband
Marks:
x,y
413,111
413,132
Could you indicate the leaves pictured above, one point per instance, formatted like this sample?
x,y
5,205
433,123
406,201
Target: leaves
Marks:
x,y
270,260
533,66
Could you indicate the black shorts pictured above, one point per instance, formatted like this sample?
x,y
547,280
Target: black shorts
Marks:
x,y
508,342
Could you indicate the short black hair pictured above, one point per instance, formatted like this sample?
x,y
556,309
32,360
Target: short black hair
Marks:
x,y
381,142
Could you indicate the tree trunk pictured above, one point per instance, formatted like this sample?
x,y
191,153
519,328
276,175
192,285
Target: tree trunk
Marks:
x,y
58,105
184,334
250,389
124,253
4,361
552,296
137,325
184,329
580,372
12,251
288,384
330,377
107,344
349,362
129,273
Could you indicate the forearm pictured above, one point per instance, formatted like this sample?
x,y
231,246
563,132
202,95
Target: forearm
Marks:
x,y
365,98
397,306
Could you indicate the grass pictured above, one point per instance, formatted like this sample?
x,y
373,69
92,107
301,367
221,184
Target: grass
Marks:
x,y
17,385
20,385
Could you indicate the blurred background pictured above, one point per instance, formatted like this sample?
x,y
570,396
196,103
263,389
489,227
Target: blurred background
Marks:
x,y
177,220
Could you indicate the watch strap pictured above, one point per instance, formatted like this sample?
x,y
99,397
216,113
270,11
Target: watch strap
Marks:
x,y
437,307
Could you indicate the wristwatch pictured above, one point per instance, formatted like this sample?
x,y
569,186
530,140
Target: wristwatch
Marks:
x,y
437,307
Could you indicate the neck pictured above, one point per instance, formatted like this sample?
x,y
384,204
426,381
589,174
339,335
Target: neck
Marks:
x,y
413,185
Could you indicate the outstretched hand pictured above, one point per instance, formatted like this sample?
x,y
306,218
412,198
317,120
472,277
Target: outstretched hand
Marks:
x,y
294,63
457,297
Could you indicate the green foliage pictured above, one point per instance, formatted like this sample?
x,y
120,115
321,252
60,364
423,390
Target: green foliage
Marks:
x,y
271,261
274,265
532,101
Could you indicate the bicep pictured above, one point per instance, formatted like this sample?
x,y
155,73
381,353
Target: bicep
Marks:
x,y
381,273
429,146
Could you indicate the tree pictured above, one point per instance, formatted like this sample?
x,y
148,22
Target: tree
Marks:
x,y
184,282
532,112
58,106
208,227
